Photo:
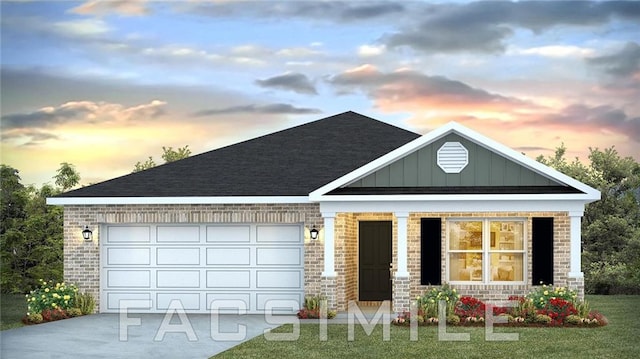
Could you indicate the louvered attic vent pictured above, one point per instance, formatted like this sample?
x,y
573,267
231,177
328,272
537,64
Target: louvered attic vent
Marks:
x,y
453,157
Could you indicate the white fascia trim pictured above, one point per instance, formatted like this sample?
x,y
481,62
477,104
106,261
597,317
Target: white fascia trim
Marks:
x,y
454,206
453,127
61,201
457,198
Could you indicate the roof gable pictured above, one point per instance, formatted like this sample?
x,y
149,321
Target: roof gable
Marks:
x,y
484,168
413,169
291,162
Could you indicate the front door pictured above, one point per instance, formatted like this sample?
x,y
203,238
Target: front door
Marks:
x,y
375,260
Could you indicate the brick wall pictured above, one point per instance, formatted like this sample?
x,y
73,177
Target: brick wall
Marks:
x,y
82,259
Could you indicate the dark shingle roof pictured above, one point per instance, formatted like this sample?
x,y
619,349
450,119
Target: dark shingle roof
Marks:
x,y
292,162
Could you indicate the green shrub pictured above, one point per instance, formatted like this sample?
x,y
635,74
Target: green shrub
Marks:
x,y
573,319
34,318
583,309
85,302
453,319
543,319
74,312
51,296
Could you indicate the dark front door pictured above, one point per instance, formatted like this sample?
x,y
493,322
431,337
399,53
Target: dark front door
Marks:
x,y
374,252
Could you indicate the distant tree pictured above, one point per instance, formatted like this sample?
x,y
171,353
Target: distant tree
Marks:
x,y
67,176
12,198
141,166
610,226
171,155
168,155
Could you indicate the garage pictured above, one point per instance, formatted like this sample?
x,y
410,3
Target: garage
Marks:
x,y
202,265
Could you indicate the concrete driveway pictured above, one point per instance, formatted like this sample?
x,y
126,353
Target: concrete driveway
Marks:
x,y
110,336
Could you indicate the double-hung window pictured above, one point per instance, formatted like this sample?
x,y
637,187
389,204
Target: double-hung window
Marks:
x,y
486,251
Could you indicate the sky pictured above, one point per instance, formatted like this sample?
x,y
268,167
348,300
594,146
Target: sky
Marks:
x,y
105,84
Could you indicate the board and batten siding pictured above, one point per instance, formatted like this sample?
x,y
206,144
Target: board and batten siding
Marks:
x,y
485,168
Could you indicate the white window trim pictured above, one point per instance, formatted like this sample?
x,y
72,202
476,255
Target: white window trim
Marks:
x,y
486,251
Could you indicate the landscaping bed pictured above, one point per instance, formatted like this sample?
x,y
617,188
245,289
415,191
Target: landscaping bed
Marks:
x,y
543,306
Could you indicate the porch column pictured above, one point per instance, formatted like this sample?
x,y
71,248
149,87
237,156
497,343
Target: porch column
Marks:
x,y
401,298
329,275
575,277
402,244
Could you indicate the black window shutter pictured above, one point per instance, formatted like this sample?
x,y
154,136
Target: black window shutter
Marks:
x,y
542,235
430,251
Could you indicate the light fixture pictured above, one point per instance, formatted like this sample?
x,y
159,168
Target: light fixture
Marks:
x,y
314,233
87,234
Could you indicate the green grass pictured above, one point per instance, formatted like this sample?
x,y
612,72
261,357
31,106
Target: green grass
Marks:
x,y
12,308
620,339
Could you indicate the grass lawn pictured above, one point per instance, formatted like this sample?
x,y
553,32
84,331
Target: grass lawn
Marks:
x,y
620,339
12,308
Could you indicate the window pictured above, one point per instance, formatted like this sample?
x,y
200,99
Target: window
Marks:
x,y
486,251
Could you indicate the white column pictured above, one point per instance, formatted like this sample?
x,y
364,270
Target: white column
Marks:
x,y
329,245
576,245
402,244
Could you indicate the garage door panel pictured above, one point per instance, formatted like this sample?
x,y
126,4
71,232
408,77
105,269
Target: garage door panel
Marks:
x,y
129,278
229,234
228,256
178,279
231,301
142,300
281,300
129,234
178,256
128,256
278,234
188,301
229,279
178,234
279,256
278,279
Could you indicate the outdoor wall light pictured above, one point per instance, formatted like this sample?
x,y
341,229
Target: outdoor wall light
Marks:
x,y
314,233
87,234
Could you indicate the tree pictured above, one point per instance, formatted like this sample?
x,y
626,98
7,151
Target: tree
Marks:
x,y
610,226
168,155
31,240
13,198
67,176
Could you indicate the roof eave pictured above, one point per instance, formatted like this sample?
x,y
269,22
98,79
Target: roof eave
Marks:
x,y
64,201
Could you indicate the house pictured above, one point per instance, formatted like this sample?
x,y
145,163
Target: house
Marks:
x,y
396,213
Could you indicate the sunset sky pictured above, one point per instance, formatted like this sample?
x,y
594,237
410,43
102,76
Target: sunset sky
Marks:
x,y
103,85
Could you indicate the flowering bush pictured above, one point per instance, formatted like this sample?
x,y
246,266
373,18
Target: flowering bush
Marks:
x,y
470,307
51,296
314,307
542,295
558,309
428,302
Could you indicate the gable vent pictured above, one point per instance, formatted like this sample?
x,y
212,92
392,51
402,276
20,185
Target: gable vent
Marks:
x,y
453,157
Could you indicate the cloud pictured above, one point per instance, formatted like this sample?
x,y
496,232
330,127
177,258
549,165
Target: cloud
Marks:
x,y
485,26
291,81
82,111
271,109
601,118
556,51
340,11
371,50
416,91
81,28
120,7
625,62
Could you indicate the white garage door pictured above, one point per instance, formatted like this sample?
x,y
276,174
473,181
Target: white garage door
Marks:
x,y
250,265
